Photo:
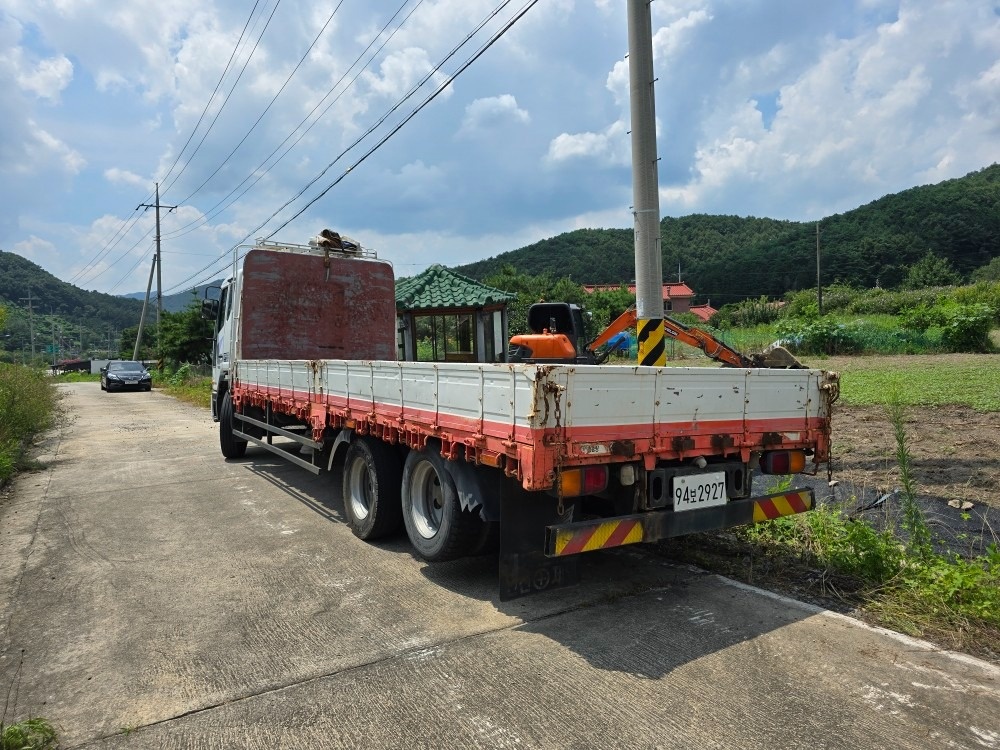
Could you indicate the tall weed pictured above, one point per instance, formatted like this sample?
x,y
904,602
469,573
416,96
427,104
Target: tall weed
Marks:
x,y
27,403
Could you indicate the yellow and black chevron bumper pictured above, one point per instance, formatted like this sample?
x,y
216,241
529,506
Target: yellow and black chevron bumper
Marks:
x,y
587,536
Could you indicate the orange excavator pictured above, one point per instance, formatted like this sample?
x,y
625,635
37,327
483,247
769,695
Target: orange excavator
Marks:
x,y
557,331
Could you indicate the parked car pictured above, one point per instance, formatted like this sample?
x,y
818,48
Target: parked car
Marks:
x,y
117,376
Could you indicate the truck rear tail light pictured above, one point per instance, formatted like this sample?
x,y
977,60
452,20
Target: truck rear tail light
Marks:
x,y
586,480
783,462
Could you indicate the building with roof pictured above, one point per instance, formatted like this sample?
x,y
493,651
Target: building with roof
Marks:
x,y
677,296
443,316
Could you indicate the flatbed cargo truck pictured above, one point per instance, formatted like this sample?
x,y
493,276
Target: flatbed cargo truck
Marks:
x,y
539,462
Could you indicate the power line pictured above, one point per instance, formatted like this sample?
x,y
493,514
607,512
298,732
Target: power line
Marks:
x,y
462,68
413,90
269,104
225,101
257,173
517,17
214,91
110,244
125,227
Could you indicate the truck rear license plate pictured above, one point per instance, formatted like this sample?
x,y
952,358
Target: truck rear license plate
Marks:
x,y
699,490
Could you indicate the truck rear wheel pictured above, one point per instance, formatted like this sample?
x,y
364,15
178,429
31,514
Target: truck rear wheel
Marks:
x,y
232,446
371,488
437,526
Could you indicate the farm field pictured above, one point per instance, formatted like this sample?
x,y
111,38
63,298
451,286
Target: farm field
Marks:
x,y
951,414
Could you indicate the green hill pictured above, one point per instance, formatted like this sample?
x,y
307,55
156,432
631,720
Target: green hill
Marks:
x,y
61,311
728,258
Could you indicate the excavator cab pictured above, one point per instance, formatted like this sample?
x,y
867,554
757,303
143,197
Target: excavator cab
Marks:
x,y
557,330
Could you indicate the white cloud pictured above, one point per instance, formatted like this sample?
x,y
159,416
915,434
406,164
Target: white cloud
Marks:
x,y
125,177
48,78
608,147
43,152
491,112
33,247
400,71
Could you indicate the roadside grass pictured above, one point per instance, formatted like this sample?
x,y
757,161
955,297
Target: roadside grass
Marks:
x,y
27,405
34,733
191,389
77,377
29,734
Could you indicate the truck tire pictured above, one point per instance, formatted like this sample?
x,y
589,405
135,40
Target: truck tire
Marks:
x,y
437,526
370,485
232,446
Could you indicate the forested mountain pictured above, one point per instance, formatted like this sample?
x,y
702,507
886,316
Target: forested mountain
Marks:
x,y
728,258
69,308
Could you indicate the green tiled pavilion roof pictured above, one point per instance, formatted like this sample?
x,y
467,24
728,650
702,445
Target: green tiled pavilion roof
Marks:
x,y
438,288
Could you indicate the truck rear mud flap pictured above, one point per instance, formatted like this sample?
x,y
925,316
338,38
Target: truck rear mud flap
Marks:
x,y
565,540
525,518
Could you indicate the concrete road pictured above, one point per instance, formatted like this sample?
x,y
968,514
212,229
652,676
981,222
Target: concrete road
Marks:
x,y
153,595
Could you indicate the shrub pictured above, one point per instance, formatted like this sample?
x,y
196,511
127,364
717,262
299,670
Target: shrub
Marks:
x,y
27,400
747,314
967,328
822,336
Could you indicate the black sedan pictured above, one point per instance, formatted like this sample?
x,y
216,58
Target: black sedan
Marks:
x,y
117,376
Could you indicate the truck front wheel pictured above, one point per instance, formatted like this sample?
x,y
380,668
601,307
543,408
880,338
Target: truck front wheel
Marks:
x,y
232,446
437,526
371,488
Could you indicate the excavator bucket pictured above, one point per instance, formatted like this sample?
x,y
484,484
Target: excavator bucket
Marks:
x,y
777,357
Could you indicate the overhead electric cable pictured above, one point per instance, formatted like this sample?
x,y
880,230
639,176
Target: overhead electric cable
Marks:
x,y
517,17
121,257
413,90
225,101
496,36
214,92
269,104
123,229
127,274
260,171
112,242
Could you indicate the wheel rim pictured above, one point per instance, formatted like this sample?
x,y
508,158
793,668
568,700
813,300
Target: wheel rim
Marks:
x,y
361,489
427,501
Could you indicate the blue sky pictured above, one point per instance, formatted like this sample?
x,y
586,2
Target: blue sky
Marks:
x,y
777,108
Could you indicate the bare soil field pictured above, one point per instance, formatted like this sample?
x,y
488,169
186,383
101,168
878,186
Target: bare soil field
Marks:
x,y
955,451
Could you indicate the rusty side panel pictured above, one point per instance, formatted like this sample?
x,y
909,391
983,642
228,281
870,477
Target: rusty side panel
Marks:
x,y
310,307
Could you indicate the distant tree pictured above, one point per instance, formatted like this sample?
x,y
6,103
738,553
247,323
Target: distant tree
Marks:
x,y
187,336
606,306
989,272
931,270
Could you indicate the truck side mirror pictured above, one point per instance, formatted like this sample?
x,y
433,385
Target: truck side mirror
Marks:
x,y
210,309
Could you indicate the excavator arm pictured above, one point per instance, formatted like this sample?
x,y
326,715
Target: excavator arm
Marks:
x,y
695,337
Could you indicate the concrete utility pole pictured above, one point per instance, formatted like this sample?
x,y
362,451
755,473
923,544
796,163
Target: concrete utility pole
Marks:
x,y
159,286
142,317
645,187
819,284
53,315
31,322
